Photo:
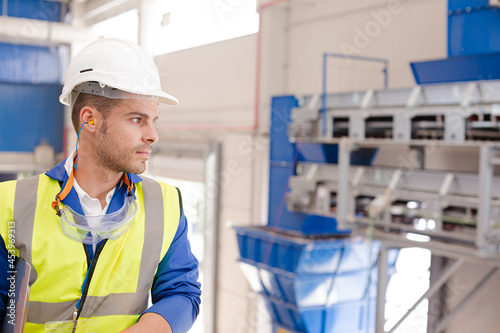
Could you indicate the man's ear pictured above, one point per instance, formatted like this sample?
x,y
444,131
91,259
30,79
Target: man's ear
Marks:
x,y
88,115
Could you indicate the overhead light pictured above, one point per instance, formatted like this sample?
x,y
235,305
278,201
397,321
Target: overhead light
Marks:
x,y
412,205
418,238
431,224
420,224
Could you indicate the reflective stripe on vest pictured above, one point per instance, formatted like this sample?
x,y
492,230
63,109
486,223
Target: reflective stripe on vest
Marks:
x,y
111,293
24,213
153,200
111,305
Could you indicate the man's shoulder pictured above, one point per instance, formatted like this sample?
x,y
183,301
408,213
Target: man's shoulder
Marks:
x,y
8,188
171,194
165,187
163,184
9,185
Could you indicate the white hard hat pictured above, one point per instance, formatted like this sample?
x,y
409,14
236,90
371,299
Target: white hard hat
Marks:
x,y
114,63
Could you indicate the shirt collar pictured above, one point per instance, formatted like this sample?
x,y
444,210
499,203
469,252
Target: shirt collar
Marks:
x,y
59,172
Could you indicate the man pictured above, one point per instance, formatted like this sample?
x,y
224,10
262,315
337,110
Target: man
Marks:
x,y
133,229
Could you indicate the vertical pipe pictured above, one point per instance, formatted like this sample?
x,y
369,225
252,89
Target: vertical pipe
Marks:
x,y
5,7
436,308
386,74
211,235
383,280
63,10
323,105
345,147
484,195
258,62
146,9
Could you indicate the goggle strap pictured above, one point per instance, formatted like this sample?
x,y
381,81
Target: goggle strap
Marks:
x,y
64,192
128,183
67,188
69,185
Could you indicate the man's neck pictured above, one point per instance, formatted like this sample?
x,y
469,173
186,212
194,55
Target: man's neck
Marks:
x,y
95,180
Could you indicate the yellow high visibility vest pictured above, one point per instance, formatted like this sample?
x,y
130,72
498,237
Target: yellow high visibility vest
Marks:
x,y
124,272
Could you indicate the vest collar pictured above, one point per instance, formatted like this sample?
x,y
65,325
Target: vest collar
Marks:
x,y
59,173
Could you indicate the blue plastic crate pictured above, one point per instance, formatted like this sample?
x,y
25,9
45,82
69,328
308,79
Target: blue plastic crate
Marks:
x,y
337,318
311,289
336,254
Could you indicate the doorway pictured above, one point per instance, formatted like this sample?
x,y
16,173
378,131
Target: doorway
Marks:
x,y
194,169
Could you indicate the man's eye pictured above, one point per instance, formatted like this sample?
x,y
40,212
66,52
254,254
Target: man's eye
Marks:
x,y
136,120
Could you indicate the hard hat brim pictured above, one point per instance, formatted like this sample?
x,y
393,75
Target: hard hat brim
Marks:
x,y
162,96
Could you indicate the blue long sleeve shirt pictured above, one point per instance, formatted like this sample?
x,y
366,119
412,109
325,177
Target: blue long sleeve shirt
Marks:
x,y
175,291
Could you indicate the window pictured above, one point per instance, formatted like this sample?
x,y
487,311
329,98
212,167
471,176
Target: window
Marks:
x,y
125,25
186,24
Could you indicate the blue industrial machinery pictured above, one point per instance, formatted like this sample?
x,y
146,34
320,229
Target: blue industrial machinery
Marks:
x,y
40,104
44,10
319,188
284,156
473,45
312,275
312,284
30,83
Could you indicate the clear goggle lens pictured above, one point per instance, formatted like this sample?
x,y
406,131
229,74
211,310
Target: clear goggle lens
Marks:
x,y
93,229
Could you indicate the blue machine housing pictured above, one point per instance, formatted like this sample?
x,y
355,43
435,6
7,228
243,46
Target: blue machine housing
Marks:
x,y
313,277
473,45
283,159
474,31
40,104
456,69
30,84
44,10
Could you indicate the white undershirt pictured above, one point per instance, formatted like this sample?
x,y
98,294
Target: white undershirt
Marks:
x,y
90,206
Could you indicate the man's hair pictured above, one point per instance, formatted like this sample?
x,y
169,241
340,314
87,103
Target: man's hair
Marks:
x,y
102,104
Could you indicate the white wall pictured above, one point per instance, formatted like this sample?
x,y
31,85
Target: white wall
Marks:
x,y
214,83
216,88
479,315
410,31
